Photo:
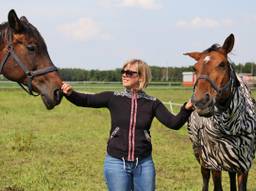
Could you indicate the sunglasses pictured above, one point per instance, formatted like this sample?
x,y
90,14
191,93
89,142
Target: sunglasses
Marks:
x,y
129,73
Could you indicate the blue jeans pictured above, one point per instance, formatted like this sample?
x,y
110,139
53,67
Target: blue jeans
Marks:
x,y
126,176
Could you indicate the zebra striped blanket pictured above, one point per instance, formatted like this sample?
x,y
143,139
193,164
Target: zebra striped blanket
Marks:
x,y
227,140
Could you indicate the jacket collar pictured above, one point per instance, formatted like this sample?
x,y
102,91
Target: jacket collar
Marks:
x,y
128,93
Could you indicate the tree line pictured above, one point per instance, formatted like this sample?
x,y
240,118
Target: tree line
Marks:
x,y
159,74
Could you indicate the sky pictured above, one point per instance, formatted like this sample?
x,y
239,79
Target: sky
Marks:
x,y
104,34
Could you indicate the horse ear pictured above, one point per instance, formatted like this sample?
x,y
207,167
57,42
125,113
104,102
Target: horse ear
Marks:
x,y
14,21
194,55
229,43
24,19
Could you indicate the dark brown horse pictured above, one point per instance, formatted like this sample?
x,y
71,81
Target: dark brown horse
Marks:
x,y
223,126
24,59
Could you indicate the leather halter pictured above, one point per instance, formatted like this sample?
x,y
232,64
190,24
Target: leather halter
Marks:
x,y
219,90
29,73
231,84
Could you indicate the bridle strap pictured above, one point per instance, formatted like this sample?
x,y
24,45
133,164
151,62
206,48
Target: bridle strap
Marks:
x,y
213,84
4,61
219,90
230,85
29,74
42,71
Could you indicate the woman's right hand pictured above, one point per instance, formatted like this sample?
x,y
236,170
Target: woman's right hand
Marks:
x,y
66,88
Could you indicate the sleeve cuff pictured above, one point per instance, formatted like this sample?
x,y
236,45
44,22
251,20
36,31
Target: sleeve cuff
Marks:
x,y
187,110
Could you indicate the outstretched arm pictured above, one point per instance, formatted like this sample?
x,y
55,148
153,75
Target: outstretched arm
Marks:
x,y
86,100
173,121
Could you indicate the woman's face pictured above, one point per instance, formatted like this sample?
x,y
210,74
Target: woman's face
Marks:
x,y
130,76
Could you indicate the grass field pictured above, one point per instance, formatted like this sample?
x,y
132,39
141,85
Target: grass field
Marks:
x,y
63,149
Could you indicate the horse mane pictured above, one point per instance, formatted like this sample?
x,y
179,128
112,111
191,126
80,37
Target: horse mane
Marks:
x,y
3,25
2,28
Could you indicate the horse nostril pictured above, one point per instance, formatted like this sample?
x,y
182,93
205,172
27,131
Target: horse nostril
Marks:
x,y
207,97
203,102
57,95
193,99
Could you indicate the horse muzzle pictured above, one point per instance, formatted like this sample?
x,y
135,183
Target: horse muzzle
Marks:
x,y
204,106
50,101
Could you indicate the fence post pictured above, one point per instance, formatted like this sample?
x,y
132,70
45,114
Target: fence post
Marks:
x,y
170,103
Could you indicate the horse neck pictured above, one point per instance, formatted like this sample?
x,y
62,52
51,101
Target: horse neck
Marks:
x,y
237,107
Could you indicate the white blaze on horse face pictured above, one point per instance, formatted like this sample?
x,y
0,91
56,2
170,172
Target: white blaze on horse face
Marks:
x,y
207,59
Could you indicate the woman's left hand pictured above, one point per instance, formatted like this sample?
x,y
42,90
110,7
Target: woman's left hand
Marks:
x,y
189,105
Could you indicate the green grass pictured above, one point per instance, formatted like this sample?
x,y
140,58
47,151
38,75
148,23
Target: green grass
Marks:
x,y
63,149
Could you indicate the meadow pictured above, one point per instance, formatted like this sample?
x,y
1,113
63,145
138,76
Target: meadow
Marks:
x,y
63,149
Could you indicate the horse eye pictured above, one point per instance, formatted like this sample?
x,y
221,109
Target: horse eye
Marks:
x,y
222,65
31,47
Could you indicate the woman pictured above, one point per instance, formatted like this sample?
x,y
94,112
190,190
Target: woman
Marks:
x,y
128,163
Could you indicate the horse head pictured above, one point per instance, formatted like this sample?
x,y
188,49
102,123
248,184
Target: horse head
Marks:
x,y
215,78
24,58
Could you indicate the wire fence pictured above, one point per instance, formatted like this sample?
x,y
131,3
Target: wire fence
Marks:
x,y
106,85
171,105
99,85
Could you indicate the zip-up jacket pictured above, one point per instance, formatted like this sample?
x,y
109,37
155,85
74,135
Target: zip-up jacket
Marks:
x,y
131,117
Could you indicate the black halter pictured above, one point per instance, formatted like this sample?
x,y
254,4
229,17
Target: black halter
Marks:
x,y
29,74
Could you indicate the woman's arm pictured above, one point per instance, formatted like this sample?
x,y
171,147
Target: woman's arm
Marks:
x,y
86,100
173,121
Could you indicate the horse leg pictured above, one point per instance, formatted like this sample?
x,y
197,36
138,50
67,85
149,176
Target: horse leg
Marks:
x,y
242,181
206,177
216,176
232,179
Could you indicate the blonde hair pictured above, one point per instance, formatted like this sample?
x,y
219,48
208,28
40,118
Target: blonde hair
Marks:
x,y
143,70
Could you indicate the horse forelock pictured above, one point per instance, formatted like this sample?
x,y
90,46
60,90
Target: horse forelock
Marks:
x,y
28,28
32,31
214,47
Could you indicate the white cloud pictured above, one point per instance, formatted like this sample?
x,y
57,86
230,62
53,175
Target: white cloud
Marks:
x,y
84,29
199,22
144,4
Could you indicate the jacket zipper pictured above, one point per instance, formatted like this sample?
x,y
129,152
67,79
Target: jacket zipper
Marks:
x,y
131,144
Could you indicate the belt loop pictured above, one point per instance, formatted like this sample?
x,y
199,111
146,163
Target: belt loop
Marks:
x,y
123,163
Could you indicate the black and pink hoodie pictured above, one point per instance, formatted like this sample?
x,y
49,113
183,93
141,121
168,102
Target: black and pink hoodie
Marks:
x,y
131,117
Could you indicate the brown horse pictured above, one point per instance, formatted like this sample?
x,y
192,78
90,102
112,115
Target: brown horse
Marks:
x,y
24,59
223,126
